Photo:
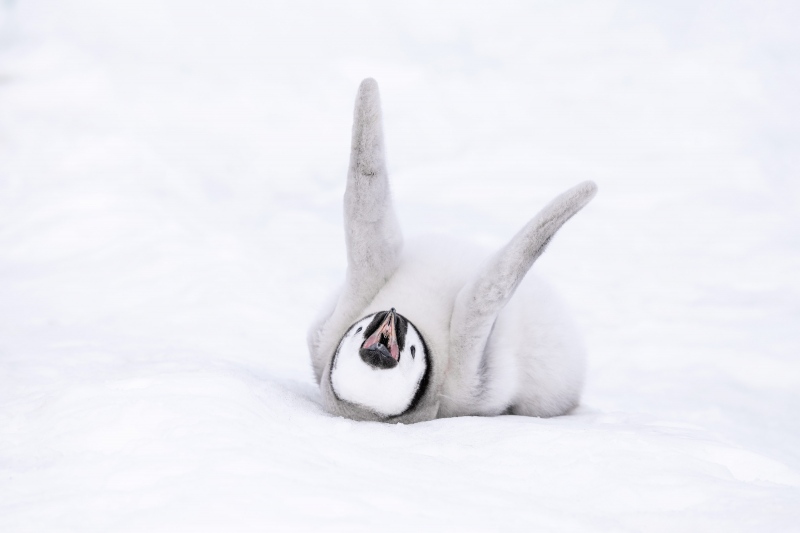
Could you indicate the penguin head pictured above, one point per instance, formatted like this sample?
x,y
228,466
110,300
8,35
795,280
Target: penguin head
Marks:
x,y
381,363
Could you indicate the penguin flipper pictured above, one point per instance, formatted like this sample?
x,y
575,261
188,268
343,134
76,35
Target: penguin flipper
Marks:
x,y
484,296
373,236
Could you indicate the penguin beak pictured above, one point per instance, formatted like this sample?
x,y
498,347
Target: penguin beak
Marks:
x,y
381,349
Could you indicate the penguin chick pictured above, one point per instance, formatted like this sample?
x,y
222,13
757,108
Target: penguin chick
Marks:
x,y
432,328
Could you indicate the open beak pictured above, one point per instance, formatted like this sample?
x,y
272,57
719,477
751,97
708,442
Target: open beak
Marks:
x,y
381,349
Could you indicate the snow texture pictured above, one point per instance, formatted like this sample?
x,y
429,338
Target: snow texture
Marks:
x,y
171,181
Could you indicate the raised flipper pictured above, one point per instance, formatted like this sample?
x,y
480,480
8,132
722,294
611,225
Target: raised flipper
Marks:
x,y
373,236
372,233
482,298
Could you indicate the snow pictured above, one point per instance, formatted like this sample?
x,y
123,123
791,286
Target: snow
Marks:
x,y
171,176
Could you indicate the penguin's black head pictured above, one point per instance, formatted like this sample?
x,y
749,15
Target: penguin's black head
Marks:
x,y
381,363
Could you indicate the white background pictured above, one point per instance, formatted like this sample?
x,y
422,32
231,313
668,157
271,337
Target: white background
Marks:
x,y
171,175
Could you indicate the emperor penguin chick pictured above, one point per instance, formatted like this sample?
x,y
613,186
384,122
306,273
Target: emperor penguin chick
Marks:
x,y
434,329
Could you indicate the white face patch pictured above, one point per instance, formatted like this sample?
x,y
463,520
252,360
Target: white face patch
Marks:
x,y
386,391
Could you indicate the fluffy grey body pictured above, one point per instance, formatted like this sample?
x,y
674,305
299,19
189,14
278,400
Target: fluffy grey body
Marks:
x,y
471,334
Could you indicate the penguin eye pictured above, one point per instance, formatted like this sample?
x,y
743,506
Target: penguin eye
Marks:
x,y
359,329
413,351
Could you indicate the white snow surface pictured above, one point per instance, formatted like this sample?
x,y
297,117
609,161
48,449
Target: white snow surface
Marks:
x,y
171,175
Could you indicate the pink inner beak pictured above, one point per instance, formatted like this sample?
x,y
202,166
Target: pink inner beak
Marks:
x,y
386,330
